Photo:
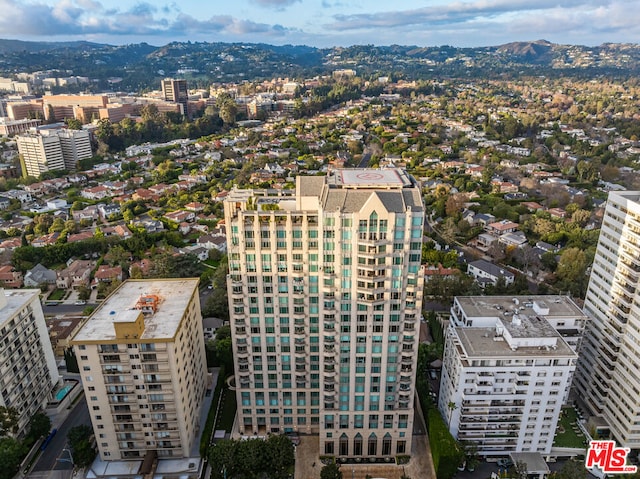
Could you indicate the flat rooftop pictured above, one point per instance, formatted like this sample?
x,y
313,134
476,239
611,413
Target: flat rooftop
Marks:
x,y
16,299
529,305
369,177
483,342
174,296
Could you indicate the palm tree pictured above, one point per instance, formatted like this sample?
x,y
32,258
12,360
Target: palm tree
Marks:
x,y
452,407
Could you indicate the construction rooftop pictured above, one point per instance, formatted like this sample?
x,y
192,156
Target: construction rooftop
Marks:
x,y
163,303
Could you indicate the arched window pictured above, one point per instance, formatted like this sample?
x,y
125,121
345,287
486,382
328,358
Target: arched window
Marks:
x,y
344,445
386,445
357,445
373,445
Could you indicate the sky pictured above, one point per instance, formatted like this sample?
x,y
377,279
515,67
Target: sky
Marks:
x,y
324,23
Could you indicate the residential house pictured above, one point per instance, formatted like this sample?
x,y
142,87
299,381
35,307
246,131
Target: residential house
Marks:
x,y
45,240
10,244
194,206
39,275
61,331
10,277
433,271
485,272
501,227
210,326
107,211
75,275
557,213
88,213
200,252
483,219
118,230
484,241
107,274
4,203
83,235
516,238
99,192
150,226
180,216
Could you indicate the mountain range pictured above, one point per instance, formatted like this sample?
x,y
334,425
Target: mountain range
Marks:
x,y
138,65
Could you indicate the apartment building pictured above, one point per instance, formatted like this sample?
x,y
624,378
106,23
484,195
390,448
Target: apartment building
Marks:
x,y
325,294
507,370
142,360
47,150
28,371
607,380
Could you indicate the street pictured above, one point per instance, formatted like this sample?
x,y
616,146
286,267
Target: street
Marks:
x,y
48,459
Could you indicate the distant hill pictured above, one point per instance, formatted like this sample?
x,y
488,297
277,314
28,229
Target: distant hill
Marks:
x,y
537,51
15,46
139,66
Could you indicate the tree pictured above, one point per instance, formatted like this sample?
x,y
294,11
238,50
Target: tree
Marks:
x,y
79,438
39,425
572,470
572,265
452,407
331,471
11,454
8,421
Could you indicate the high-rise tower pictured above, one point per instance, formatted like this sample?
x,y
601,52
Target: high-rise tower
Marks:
x,y
325,296
176,91
607,379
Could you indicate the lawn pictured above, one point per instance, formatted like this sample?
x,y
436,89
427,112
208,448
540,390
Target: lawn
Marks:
x,y
57,294
568,434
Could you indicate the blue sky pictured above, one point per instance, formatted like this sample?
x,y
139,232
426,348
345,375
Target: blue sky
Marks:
x,y
324,22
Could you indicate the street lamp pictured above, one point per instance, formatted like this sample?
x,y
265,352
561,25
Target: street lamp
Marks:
x,y
63,459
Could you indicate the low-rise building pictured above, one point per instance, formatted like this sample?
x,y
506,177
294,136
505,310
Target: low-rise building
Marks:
x,y
485,272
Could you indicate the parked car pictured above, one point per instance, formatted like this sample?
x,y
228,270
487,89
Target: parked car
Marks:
x,y
80,302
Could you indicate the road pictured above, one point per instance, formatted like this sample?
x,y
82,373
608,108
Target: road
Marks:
x,y
48,459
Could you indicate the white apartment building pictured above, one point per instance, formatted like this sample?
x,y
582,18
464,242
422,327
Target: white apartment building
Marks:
x,y
607,378
325,296
39,154
28,371
507,370
48,150
142,361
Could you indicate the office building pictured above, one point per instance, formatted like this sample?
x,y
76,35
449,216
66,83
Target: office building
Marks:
x,y
507,370
28,370
325,296
176,91
142,360
607,380
47,150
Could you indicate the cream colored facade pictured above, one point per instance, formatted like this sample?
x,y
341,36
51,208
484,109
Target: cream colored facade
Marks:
x,y
39,154
143,366
28,371
48,150
325,297
607,379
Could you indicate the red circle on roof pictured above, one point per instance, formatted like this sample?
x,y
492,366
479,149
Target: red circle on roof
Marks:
x,y
369,176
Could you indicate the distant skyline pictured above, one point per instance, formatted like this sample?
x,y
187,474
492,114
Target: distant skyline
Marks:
x,y
324,23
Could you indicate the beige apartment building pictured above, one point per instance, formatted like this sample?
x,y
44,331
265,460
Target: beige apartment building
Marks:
x,y
48,150
607,380
28,371
142,361
325,297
